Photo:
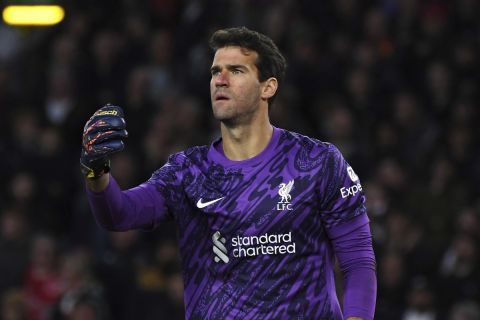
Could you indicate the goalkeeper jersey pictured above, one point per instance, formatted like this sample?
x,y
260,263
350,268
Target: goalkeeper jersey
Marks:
x,y
254,235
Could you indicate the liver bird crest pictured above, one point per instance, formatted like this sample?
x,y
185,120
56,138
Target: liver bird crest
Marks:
x,y
284,191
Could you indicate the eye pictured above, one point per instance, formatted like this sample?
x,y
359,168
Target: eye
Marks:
x,y
215,72
236,71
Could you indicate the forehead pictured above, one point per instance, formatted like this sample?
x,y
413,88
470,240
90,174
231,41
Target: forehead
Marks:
x,y
234,55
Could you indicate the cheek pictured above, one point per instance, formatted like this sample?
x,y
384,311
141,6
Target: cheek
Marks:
x,y
251,92
212,85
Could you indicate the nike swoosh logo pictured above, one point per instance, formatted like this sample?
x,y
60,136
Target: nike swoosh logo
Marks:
x,y
201,204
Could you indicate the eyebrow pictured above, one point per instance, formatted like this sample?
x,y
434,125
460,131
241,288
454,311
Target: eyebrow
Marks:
x,y
229,67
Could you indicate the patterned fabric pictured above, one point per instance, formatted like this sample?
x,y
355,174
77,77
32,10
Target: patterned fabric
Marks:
x,y
275,261
255,236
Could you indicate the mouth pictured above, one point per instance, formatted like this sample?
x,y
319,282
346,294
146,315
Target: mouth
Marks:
x,y
221,97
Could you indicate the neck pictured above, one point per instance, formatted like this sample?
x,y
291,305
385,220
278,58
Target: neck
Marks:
x,y
245,141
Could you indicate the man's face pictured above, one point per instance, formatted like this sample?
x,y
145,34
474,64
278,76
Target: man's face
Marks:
x,y
234,87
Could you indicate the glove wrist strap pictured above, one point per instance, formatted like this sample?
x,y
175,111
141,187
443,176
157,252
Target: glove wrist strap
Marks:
x,y
96,170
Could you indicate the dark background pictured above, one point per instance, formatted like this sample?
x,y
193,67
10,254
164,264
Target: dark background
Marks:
x,y
394,84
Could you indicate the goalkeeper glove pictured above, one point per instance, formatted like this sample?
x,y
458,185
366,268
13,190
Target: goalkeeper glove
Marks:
x,y
102,137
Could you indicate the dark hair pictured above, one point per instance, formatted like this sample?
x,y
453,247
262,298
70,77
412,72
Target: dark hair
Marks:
x,y
270,61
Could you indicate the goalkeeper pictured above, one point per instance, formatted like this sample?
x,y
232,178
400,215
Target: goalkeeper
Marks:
x,y
262,213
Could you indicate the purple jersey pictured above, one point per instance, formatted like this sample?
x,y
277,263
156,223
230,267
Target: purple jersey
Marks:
x,y
254,235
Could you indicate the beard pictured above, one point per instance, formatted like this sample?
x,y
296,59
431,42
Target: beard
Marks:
x,y
233,116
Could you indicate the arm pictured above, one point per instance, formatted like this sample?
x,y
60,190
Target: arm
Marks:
x,y
352,244
116,210
141,207
346,222
99,184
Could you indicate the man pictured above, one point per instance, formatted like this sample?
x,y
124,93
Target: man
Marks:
x,y
261,212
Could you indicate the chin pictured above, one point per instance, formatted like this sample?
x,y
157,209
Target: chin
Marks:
x,y
222,113
227,119
222,117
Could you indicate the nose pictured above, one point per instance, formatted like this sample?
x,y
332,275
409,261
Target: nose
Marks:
x,y
221,79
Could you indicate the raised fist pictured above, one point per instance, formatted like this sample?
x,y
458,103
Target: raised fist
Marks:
x,y
103,136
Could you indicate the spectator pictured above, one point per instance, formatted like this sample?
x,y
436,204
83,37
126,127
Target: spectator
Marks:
x,y
14,243
13,305
43,286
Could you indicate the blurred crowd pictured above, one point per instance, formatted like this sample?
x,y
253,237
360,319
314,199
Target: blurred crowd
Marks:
x,y
393,83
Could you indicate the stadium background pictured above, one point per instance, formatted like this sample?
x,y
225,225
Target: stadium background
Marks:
x,y
394,84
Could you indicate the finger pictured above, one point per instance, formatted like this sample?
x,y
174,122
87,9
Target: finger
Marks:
x,y
109,110
99,137
105,112
105,148
104,123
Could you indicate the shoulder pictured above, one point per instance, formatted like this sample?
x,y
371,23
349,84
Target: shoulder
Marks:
x,y
178,162
197,154
306,142
310,152
190,156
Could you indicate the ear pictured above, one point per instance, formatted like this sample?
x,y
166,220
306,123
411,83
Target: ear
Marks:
x,y
269,88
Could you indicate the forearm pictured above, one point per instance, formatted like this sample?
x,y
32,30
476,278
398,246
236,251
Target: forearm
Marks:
x,y
106,202
99,184
353,248
118,210
360,290
141,207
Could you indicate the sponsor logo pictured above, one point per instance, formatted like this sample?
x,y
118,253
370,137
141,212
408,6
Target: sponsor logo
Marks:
x,y
267,244
350,191
353,176
219,248
107,113
252,246
284,190
201,204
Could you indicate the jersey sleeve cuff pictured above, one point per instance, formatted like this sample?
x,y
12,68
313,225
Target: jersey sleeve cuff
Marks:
x,y
111,184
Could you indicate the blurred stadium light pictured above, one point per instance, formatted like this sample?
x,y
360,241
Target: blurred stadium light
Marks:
x,y
33,13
